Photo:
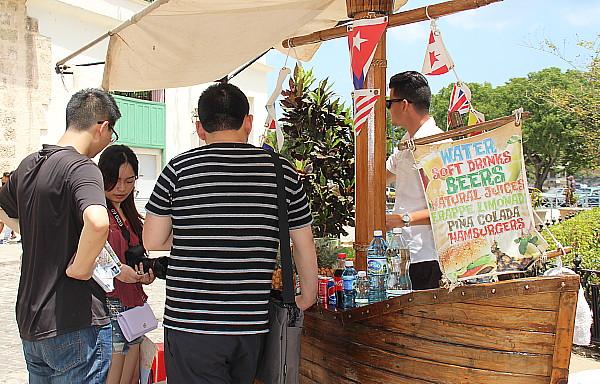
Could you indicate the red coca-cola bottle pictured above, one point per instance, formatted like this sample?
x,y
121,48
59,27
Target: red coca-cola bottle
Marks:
x,y
337,280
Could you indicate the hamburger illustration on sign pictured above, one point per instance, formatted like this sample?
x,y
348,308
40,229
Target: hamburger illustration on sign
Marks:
x,y
467,259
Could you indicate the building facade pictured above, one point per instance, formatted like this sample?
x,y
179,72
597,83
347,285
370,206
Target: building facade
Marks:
x,y
35,34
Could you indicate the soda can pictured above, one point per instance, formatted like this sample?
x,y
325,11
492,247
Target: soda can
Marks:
x,y
331,292
322,292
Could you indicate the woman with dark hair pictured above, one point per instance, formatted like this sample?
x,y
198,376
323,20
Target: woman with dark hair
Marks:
x,y
119,167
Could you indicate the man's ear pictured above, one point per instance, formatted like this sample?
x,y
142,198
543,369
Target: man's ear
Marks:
x,y
101,129
247,124
200,131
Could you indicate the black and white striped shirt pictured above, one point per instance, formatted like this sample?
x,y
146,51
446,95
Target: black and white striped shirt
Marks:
x,y
222,200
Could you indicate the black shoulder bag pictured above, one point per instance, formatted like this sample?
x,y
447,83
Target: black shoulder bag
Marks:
x,y
280,362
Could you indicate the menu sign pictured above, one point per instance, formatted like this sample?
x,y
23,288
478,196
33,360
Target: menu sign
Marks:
x,y
478,199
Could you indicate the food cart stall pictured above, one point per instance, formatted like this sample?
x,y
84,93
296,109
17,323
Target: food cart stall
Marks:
x,y
513,331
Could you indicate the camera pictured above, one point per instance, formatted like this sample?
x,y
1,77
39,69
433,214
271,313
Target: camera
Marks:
x,y
137,254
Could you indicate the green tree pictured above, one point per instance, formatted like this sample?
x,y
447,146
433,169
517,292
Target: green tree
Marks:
x,y
319,141
583,100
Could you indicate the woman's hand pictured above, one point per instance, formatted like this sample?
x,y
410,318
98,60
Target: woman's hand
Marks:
x,y
128,275
146,278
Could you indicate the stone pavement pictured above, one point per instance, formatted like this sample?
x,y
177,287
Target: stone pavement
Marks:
x,y
12,364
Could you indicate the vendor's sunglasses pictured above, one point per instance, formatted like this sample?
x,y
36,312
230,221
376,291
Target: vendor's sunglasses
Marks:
x,y
388,103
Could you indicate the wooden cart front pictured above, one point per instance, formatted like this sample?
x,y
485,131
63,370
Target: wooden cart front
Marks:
x,y
512,332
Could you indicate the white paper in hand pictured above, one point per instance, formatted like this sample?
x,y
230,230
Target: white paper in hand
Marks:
x,y
107,267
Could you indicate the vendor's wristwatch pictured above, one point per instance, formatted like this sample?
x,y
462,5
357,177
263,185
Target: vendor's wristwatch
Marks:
x,y
406,219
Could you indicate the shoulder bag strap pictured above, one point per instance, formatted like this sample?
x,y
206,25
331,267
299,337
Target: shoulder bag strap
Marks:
x,y
284,234
113,210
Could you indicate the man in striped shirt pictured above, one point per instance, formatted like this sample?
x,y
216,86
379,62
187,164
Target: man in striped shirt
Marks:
x,y
215,208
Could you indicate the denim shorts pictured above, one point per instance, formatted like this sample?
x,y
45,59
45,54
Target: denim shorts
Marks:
x,y
81,356
120,343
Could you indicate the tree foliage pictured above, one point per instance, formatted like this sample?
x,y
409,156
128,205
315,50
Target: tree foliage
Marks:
x,y
583,100
319,141
553,137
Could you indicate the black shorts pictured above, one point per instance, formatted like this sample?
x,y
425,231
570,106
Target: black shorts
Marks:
x,y
212,359
425,275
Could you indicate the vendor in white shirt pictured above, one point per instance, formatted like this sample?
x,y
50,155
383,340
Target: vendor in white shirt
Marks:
x,y
408,103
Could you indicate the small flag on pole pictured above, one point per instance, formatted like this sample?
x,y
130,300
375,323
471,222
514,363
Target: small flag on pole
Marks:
x,y
475,117
363,37
364,101
437,59
267,143
271,121
460,99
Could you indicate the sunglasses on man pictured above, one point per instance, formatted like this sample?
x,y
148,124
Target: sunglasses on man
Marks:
x,y
388,103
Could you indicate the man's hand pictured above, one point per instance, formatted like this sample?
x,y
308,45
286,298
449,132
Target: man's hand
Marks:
x,y
393,221
128,275
304,303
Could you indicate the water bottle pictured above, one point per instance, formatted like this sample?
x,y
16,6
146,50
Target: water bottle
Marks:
x,y
377,268
349,280
398,258
337,280
362,289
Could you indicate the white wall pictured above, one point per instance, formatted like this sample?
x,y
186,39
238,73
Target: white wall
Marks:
x,y
71,24
181,102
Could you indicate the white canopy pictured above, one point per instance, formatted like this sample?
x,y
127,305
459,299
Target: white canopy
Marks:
x,y
176,43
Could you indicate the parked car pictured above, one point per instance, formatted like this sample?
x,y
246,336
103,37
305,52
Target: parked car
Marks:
x,y
588,197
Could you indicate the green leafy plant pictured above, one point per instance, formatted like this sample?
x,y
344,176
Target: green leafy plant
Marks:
x,y
582,234
524,241
319,141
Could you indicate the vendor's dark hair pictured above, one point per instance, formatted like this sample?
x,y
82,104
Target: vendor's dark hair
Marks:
x,y
222,107
413,86
110,161
89,106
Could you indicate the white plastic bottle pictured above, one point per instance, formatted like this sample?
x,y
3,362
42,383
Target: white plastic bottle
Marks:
x,y
377,268
398,257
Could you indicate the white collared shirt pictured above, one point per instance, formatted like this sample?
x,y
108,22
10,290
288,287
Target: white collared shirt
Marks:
x,y
410,196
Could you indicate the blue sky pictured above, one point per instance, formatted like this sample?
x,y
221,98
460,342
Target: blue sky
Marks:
x,y
487,44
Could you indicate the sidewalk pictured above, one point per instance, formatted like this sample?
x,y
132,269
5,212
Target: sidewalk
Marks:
x,y
12,364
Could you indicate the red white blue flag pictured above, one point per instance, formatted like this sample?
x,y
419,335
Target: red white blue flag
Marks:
x,y
460,99
364,101
363,37
437,59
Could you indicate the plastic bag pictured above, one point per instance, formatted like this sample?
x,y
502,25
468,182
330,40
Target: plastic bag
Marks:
x,y
582,334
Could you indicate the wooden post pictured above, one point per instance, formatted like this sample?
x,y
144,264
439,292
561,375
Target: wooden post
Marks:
x,y
371,143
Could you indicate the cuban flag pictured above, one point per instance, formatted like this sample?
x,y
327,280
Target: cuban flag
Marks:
x,y
363,37
437,59
364,101
460,99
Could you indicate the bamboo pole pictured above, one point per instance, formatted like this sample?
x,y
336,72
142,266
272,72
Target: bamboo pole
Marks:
x,y
397,19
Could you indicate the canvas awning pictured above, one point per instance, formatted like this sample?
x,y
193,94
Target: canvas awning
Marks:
x,y
176,43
